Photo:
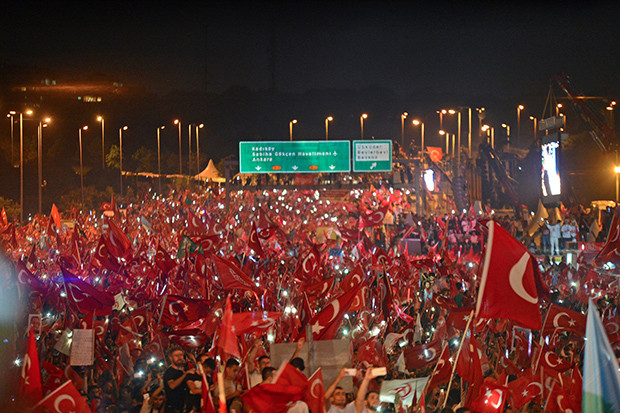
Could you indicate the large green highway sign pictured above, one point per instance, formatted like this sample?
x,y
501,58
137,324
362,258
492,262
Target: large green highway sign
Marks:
x,y
294,157
372,156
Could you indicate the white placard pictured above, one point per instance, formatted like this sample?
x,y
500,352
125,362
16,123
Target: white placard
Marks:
x,y
83,347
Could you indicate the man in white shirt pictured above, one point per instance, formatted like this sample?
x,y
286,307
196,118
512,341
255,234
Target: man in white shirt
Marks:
x,y
554,236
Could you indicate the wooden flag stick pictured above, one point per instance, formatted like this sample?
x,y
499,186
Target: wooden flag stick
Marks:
x,y
458,353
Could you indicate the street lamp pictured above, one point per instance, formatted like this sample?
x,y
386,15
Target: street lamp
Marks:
x,y
10,116
198,127
120,164
519,109
557,109
100,119
442,133
21,161
42,124
402,129
535,126
178,123
617,171
441,113
507,127
327,120
159,158
364,116
416,123
290,128
81,164
189,155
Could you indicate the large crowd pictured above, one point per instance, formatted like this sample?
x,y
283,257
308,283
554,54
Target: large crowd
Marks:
x,y
191,296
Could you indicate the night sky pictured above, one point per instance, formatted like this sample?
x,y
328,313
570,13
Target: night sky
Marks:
x,y
485,49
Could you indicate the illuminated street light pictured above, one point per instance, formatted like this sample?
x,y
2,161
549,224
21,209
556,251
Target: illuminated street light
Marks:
x,y
120,165
10,116
402,129
290,128
100,119
159,157
21,159
81,164
416,123
42,124
327,120
617,172
507,127
532,118
198,127
364,116
519,109
178,122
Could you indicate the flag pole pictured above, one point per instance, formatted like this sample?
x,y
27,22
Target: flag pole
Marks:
x,y
458,353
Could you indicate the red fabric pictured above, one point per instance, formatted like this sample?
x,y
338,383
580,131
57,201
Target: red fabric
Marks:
x,y
227,340
31,389
319,289
254,243
117,243
561,318
309,264
326,323
420,356
370,353
85,297
103,259
163,260
508,281
254,322
179,309
27,279
195,224
231,276
548,359
55,216
271,397
468,365
65,399
458,318
442,372
492,399
374,218
316,392
611,249
290,376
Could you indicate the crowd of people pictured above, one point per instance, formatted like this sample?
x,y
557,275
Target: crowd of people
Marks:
x,y
189,295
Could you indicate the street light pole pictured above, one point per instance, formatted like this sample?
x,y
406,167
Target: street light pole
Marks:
x,y
159,158
100,119
40,161
21,162
507,127
417,122
202,125
535,126
10,115
290,128
189,155
364,116
178,123
519,109
81,164
402,129
120,143
327,120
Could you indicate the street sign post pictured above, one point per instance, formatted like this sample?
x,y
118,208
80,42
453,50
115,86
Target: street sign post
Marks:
x,y
294,157
372,156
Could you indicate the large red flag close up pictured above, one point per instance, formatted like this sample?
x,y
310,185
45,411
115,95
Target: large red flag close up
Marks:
x,y
65,399
31,389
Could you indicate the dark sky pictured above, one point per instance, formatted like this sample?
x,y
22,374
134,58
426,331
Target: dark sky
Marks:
x,y
480,48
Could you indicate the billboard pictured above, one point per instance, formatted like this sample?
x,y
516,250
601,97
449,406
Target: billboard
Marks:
x,y
550,180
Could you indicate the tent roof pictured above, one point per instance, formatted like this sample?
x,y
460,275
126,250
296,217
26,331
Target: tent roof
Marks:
x,y
210,172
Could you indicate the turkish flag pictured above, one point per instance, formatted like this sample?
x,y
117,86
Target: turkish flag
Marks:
x,y
468,365
559,401
548,359
309,264
524,389
55,216
254,243
227,339
86,297
30,388
359,302
380,259
103,259
231,276
420,356
179,309
508,281
560,318
271,397
611,249
353,278
3,218
195,224
458,318
435,153
65,399
316,392
117,243
319,289
163,260
370,353
26,279
256,321
374,218
349,234
288,375
442,371
492,399
326,323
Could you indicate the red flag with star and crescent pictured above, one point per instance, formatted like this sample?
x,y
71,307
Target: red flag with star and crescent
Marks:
x,y
326,323
508,281
442,371
31,389
611,250
85,297
65,399
374,218
420,356
560,318
231,276
316,392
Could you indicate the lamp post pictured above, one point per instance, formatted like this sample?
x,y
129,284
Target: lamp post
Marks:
x,y
42,124
21,162
535,126
81,164
327,120
403,116
189,155
416,123
617,171
120,143
442,133
290,128
159,158
100,119
441,113
178,123
198,127
10,116
507,127
364,116
519,109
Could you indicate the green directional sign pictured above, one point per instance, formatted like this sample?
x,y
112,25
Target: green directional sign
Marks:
x,y
294,157
372,156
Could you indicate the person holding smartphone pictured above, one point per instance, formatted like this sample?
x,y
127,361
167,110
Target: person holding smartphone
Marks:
x,y
174,381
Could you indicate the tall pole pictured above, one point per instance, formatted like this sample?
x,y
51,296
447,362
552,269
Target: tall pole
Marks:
x,y
290,128
120,143
159,159
39,153
469,134
100,119
364,116
12,143
81,166
422,138
402,129
327,120
178,123
458,145
21,166
198,127
519,109
189,156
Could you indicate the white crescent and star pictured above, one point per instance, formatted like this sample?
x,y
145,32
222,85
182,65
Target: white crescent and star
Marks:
x,y
556,319
314,385
517,272
60,398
